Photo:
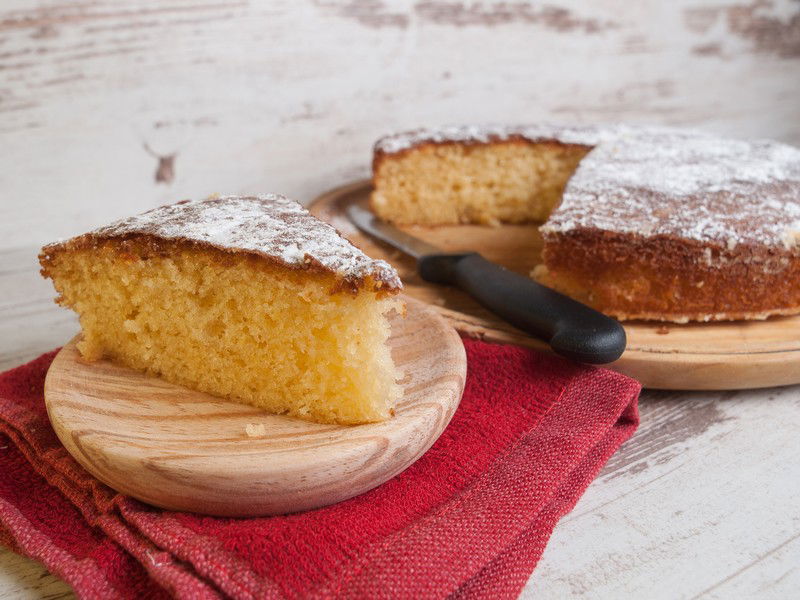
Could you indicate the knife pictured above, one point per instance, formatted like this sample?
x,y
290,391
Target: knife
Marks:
x,y
572,329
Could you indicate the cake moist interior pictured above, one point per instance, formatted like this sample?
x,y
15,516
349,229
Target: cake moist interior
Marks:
x,y
513,181
233,325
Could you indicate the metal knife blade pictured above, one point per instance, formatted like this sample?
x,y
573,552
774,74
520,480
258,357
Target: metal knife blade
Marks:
x,y
362,217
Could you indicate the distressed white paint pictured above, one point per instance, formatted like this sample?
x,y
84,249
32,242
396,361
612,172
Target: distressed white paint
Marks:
x,y
24,579
288,97
709,515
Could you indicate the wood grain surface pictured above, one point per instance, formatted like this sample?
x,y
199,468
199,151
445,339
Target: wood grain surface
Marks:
x,y
184,450
696,356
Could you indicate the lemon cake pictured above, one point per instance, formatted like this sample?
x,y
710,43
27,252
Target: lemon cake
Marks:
x,y
639,222
248,298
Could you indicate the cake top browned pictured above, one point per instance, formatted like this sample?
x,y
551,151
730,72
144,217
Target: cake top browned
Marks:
x,y
655,181
268,225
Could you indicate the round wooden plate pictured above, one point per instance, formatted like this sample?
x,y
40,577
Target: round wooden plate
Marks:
x,y
185,450
699,356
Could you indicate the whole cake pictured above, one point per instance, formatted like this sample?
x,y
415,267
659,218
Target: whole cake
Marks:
x,y
641,222
248,298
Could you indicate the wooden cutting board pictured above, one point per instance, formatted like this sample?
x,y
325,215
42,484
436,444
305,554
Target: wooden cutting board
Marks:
x,y
185,450
699,356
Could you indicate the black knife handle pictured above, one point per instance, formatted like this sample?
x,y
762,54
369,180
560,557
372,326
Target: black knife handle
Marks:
x,y
572,329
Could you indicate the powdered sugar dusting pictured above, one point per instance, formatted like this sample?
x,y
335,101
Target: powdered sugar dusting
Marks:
x,y
270,225
685,184
659,181
399,142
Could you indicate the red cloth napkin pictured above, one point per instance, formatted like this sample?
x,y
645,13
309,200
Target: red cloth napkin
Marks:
x,y
470,519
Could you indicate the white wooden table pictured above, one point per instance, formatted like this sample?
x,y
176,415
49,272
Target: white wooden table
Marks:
x,y
110,107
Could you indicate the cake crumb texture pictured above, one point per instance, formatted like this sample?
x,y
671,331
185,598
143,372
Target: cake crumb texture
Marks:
x,y
232,324
511,181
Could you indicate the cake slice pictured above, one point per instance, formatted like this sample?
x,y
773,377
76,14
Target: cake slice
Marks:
x,y
247,298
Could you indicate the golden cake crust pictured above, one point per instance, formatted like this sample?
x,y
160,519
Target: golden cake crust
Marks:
x,y
671,279
380,154
270,227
